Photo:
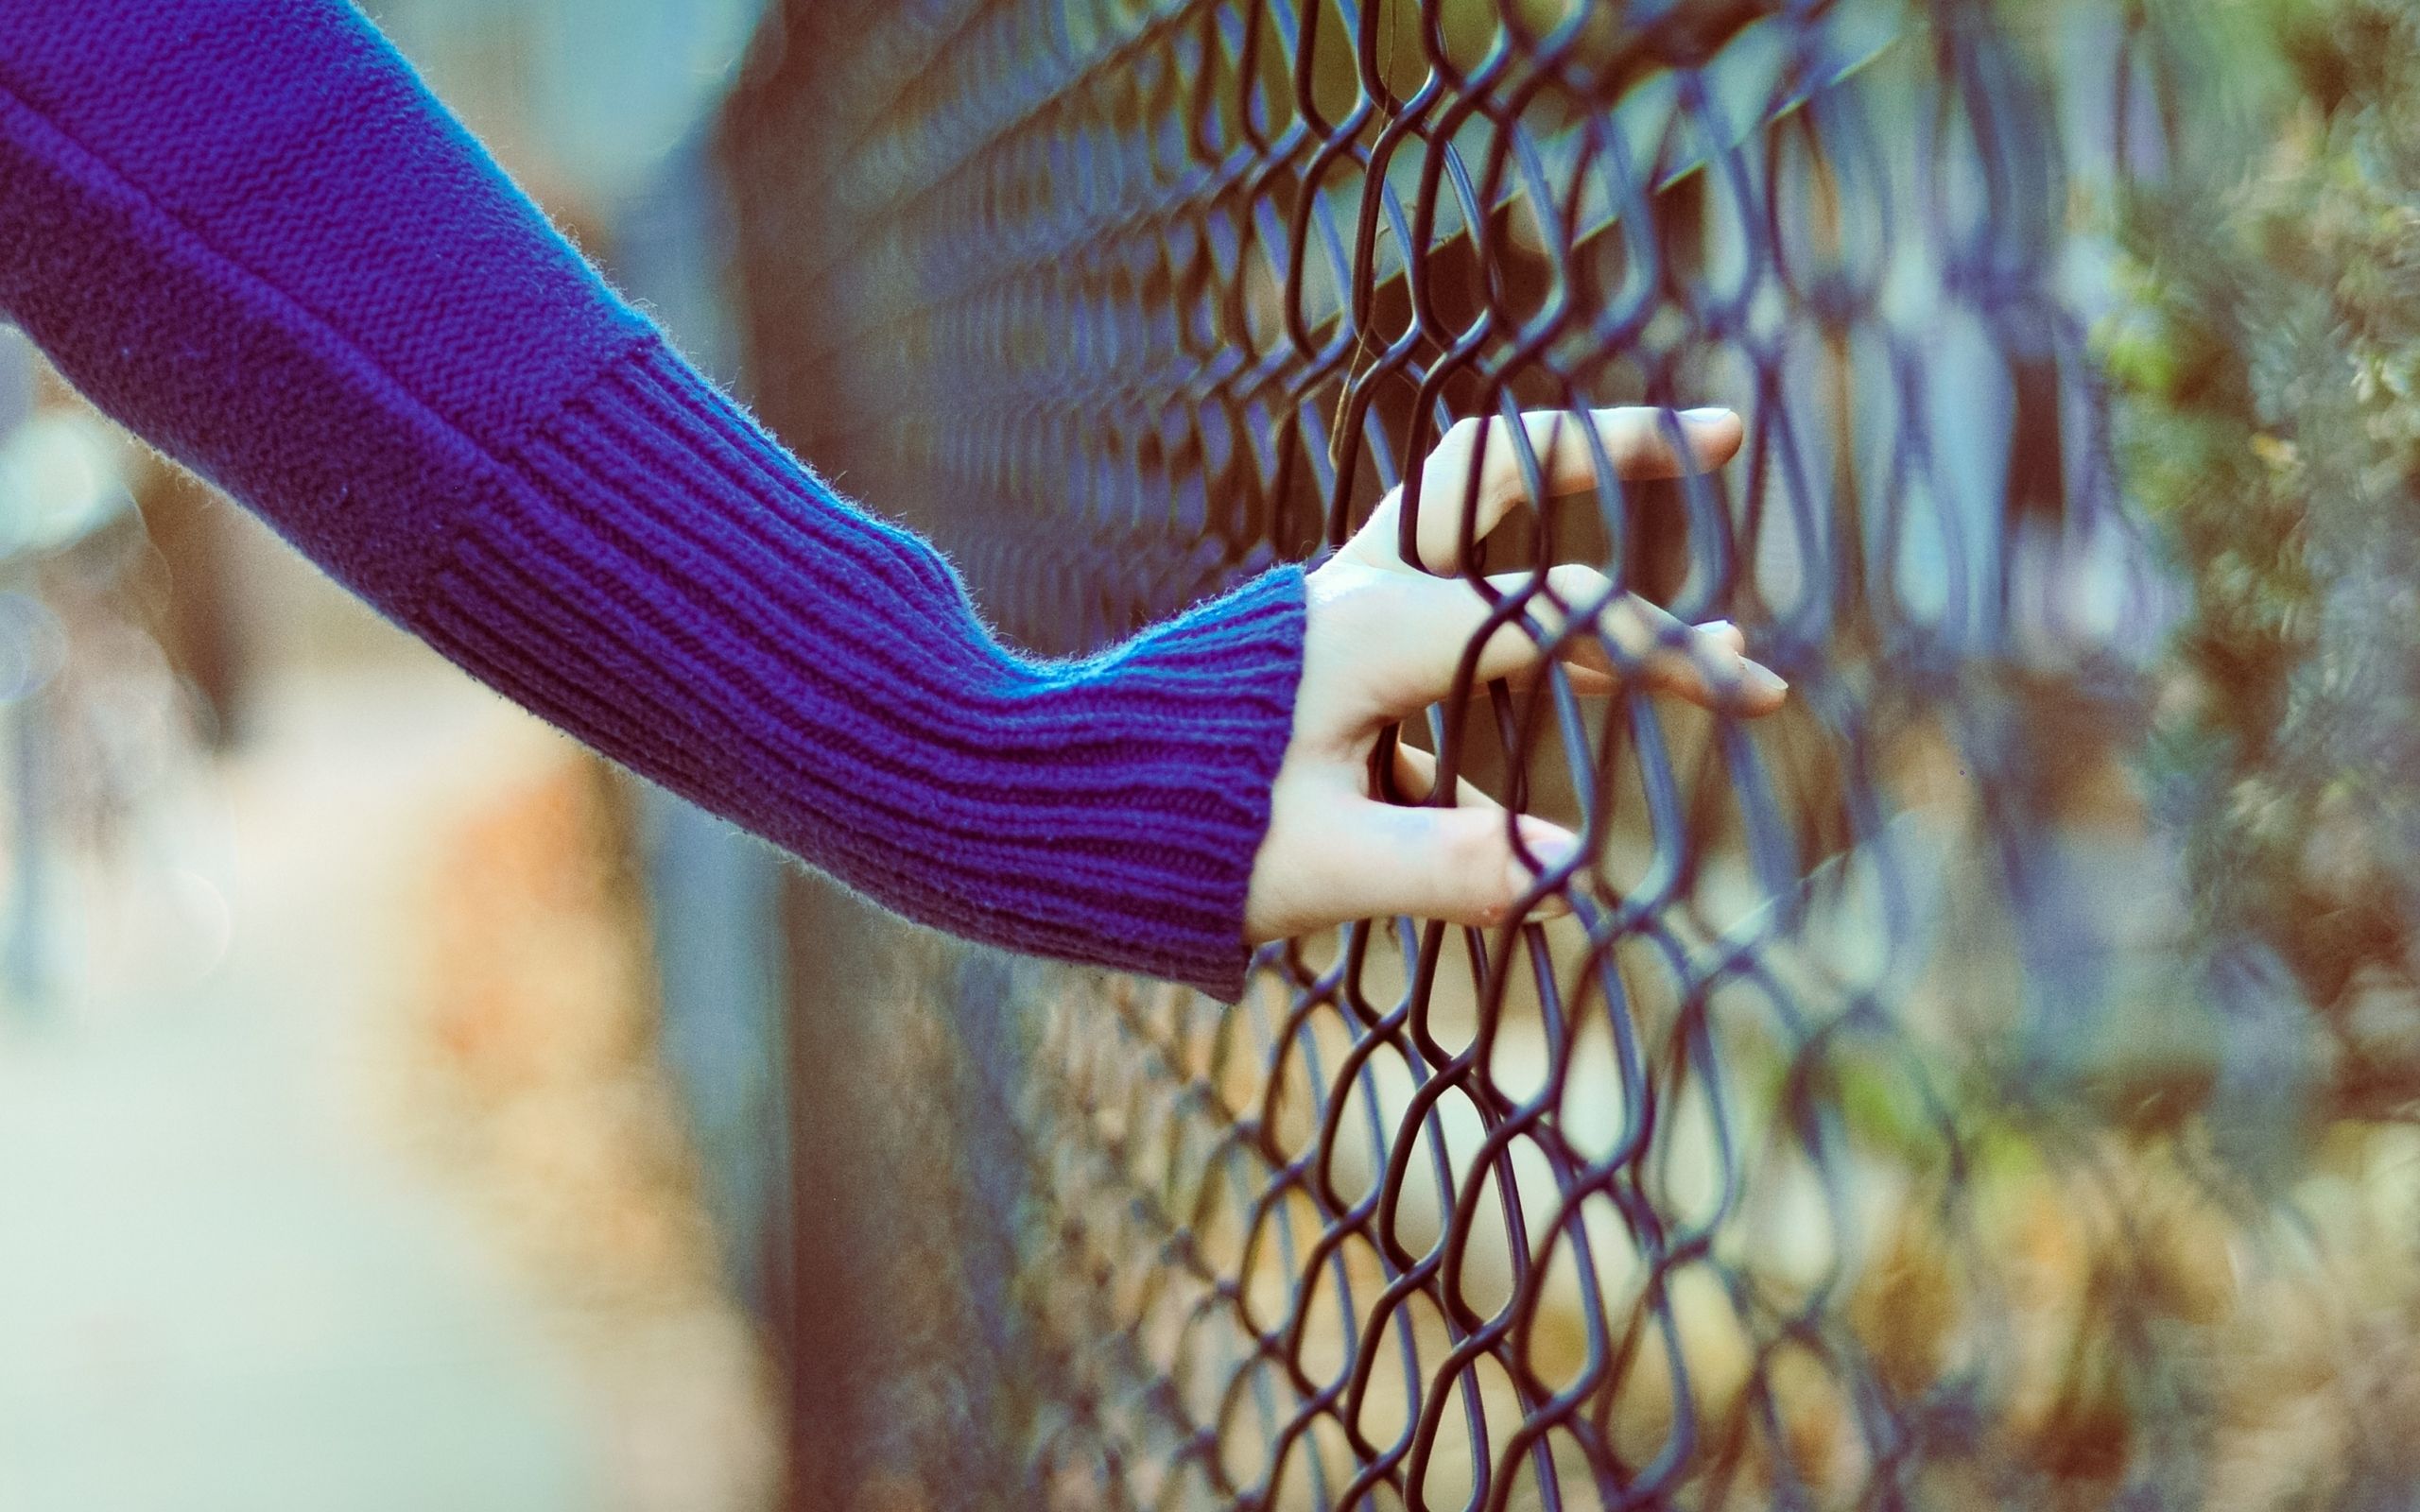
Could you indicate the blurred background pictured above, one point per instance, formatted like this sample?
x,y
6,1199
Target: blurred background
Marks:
x,y
1991,1083
345,1159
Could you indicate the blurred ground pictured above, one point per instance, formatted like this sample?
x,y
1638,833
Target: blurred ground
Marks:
x,y
236,1268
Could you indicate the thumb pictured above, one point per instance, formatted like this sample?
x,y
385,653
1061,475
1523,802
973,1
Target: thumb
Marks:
x,y
1458,865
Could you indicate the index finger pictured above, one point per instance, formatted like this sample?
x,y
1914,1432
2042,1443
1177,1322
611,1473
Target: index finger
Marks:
x,y
1634,439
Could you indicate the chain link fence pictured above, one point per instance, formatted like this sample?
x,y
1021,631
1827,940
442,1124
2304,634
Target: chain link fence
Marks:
x,y
1869,1134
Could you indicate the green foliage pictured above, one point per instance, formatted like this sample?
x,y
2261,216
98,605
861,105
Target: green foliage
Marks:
x,y
2269,373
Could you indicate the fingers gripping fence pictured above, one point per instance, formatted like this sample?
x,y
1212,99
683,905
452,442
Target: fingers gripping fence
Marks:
x,y
1780,1173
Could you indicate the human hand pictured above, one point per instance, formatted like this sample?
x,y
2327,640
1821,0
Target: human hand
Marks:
x,y
1383,639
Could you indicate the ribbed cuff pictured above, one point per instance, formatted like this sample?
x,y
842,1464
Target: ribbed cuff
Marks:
x,y
660,578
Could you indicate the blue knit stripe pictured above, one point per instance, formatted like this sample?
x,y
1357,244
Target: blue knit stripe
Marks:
x,y
784,661
791,577
889,856
884,735
895,787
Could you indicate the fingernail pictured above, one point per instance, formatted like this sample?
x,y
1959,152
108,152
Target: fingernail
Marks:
x,y
1725,631
1706,416
1552,848
1762,681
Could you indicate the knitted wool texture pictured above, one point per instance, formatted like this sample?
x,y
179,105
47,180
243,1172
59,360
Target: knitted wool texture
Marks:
x,y
244,229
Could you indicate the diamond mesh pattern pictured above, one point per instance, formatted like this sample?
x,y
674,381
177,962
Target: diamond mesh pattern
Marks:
x,y
1775,1174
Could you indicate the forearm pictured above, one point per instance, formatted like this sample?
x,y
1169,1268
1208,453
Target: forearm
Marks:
x,y
242,228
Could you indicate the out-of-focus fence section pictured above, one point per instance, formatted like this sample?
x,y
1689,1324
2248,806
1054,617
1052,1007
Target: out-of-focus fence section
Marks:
x,y
1871,1133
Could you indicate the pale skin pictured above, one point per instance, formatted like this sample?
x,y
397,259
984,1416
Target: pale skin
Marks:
x,y
1383,639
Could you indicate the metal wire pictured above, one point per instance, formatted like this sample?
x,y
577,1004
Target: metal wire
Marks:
x,y
1707,1196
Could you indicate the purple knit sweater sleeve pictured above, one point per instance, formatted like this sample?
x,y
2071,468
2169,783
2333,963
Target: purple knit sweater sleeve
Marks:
x,y
243,227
